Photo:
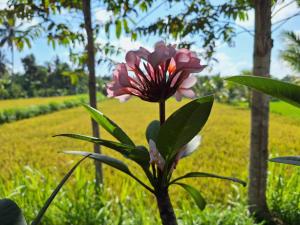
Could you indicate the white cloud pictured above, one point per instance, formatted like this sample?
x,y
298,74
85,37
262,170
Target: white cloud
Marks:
x,y
103,16
3,4
227,65
279,68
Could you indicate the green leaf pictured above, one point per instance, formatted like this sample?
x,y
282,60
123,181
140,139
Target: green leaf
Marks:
x,y
126,28
209,175
118,28
183,125
133,36
195,194
117,164
292,160
153,130
285,91
138,154
109,125
41,213
10,213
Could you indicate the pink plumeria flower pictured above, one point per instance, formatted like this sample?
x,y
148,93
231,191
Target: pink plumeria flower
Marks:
x,y
155,76
186,150
155,156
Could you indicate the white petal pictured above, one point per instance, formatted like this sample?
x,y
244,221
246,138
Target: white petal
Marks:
x,y
190,147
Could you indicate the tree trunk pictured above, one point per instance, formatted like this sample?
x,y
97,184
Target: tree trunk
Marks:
x,y
260,113
12,60
86,7
165,207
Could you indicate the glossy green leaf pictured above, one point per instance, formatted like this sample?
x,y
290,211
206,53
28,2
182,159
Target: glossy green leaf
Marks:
x,y
10,213
285,91
292,160
195,194
41,213
183,125
153,130
109,125
118,28
115,163
208,175
138,154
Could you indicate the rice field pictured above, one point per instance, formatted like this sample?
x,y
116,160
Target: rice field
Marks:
x,y
224,149
26,102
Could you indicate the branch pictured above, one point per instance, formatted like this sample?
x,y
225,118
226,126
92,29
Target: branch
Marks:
x,y
245,29
291,2
152,11
283,21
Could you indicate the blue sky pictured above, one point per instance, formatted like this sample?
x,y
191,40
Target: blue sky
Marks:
x,y
231,60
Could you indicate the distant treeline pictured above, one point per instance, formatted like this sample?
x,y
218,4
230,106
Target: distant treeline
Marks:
x,y
51,79
57,78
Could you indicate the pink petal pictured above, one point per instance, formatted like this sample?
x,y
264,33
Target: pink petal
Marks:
x,y
132,59
159,45
155,156
182,58
189,82
187,93
122,75
178,96
161,54
142,53
123,98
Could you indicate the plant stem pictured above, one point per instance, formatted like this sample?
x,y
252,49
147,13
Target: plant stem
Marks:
x,y
166,210
165,207
162,111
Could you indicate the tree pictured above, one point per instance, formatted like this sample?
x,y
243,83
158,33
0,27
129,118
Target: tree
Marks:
x,y
90,48
3,62
11,34
260,113
292,52
61,32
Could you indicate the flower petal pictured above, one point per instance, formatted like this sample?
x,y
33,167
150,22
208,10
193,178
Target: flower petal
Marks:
x,y
123,98
188,82
132,59
187,92
190,147
178,96
155,156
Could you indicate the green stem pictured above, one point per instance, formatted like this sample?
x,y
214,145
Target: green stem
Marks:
x,y
162,111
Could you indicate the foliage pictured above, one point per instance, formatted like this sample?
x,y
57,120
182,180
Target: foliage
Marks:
x,y
205,20
14,114
78,204
224,92
291,53
232,144
284,193
52,79
285,91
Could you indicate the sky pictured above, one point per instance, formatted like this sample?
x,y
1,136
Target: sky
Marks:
x,y
231,59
